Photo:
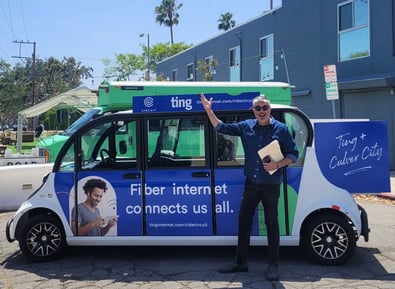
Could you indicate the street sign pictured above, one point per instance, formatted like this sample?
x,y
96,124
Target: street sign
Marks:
x,y
332,91
330,73
331,88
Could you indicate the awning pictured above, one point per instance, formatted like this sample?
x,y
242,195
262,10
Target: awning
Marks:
x,y
81,98
367,82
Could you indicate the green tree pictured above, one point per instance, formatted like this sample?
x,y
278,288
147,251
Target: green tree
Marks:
x,y
124,67
14,91
127,65
56,76
161,51
226,22
206,68
166,13
52,77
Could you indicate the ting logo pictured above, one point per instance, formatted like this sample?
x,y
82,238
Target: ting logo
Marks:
x,y
181,103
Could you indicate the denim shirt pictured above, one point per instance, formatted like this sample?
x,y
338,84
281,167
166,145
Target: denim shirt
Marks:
x,y
254,137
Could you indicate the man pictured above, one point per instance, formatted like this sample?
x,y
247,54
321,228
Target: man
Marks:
x,y
260,186
90,223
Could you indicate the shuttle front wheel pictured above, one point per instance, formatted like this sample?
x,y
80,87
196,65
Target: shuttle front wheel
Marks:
x,y
329,239
42,239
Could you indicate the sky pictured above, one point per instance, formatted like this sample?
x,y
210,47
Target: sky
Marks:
x,y
92,30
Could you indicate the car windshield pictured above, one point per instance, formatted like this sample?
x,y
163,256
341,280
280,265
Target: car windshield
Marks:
x,y
86,117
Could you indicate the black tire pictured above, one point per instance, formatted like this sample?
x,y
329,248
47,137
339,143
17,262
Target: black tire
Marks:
x,y
329,239
42,239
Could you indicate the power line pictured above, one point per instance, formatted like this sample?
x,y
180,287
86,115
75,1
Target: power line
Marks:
x,y
23,19
34,100
33,65
9,10
9,23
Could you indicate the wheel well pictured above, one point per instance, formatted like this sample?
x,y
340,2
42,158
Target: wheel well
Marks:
x,y
321,212
30,214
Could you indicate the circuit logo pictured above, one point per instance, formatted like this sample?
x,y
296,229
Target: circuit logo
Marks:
x,y
148,101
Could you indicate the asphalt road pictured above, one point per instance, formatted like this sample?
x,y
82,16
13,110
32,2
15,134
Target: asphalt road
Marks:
x,y
372,265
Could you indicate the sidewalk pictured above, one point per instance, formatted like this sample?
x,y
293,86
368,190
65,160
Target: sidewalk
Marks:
x,y
183,267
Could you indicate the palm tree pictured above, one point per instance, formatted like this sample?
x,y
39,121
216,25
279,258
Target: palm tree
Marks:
x,y
167,14
226,21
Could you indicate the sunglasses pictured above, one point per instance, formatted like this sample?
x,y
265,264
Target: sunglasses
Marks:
x,y
259,108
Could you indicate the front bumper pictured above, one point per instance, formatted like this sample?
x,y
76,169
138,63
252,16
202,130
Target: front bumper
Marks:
x,y
365,224
8,230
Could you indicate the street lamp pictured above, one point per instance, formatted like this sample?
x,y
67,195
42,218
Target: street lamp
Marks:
x,y
148,49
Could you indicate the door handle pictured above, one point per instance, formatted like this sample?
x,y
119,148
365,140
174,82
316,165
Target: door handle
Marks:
x,y
131,176
200,174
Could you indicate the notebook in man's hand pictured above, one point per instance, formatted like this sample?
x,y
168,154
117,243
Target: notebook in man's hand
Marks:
x,y
273,151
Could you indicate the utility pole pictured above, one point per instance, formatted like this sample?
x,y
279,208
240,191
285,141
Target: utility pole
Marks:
x,y
34,98
147,77
240,36
149,59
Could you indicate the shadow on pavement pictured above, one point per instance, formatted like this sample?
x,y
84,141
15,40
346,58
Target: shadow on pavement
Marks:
x,y
134,264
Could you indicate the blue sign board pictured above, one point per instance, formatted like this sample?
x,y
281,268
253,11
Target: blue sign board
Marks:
x,y
177,203
354,155
192,102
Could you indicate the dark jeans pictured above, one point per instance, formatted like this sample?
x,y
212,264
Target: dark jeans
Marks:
x,y
268,194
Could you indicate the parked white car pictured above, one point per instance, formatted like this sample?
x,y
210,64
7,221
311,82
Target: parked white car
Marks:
x,y
19,182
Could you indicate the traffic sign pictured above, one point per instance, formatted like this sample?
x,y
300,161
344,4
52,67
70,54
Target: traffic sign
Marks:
x,y
332,91
330,73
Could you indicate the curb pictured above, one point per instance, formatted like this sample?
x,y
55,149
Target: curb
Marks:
x,y
390,196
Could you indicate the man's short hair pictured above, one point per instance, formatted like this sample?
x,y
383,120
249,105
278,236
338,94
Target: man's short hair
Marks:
x,y
94,183
259,98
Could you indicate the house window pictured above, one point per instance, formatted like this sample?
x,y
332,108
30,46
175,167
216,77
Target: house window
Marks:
x,y
353,29
210,64
174,75
190,74
233,57
235,64
266,47
266,58
263,48
208,61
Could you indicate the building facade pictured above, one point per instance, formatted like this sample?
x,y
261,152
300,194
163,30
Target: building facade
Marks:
x,y
293,42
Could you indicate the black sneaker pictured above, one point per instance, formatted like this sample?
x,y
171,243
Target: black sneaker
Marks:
x,y
233,268
272,272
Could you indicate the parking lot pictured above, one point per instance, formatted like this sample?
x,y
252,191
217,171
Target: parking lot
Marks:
x,y
372,266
